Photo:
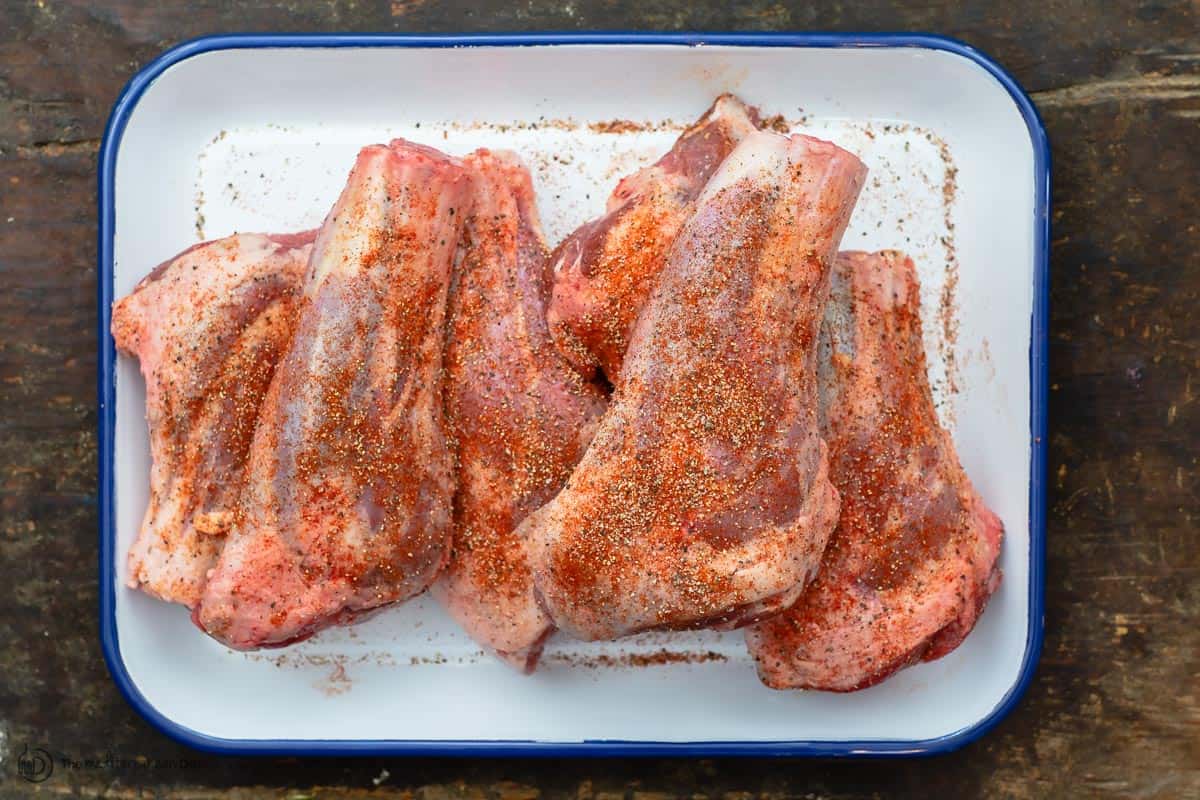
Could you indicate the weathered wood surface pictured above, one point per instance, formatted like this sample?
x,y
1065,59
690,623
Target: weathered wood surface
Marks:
x,y
1114,710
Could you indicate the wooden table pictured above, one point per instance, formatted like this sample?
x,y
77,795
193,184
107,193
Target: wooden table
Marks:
x,y
1114,710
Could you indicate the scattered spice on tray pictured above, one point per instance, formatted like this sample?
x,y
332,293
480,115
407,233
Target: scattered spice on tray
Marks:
x,y
948,302
616,126
656,658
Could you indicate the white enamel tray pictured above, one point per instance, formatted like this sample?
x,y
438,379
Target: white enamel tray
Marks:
x,y
257,133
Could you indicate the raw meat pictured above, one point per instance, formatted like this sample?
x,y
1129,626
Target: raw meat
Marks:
x,y
347,500
604,271
518,414
208,327
913,560
704,497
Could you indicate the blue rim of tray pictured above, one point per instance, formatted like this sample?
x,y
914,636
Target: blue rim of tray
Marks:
x,y
530,748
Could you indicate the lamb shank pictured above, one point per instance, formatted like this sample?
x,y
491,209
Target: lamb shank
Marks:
x,y
518,415
208,327
704,497
346,506
913,560
604,271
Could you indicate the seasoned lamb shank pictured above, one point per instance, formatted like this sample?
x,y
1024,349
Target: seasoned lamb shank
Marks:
x,y
518,415
347,500
704,497
604,271
913,560
208,327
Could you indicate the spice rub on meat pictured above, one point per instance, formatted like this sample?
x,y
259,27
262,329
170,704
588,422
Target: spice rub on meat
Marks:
x,y
704,498
346,506
913,560
208,327
604,271
518,415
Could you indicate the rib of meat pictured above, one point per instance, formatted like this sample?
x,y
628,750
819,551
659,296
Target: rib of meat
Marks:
x,y
604,271
913,560
208,327
518,414
347,500
704,496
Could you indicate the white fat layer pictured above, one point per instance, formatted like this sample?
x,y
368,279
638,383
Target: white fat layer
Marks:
x,y
762,153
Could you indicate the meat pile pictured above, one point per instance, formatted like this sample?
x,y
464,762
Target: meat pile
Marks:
x,y
693,413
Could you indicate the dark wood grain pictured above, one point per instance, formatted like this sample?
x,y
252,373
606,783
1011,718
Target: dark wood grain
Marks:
x,y
1114,709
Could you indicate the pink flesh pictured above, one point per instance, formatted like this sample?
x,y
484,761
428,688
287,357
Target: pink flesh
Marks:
x,y
518,415
347,499
913,560
208,327
704,492
604,271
